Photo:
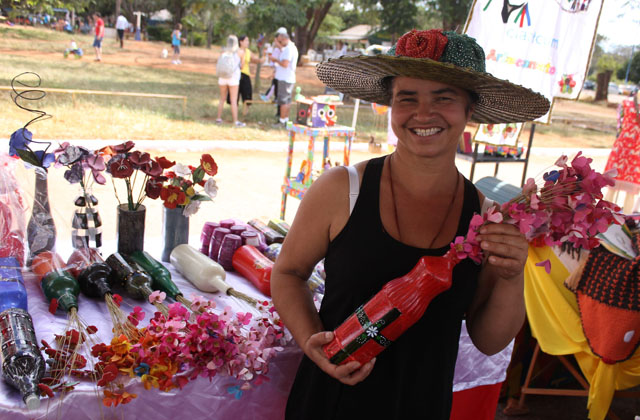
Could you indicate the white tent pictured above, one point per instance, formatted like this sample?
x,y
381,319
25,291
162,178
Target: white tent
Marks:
x,y
355,33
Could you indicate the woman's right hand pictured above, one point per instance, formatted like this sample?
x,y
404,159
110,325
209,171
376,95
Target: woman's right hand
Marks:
x,y
350,373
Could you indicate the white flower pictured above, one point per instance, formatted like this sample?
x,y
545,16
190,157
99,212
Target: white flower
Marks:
x,y
372,331
191,208
211,188
181,170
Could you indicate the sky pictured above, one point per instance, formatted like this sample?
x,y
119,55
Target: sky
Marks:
x,y
620,24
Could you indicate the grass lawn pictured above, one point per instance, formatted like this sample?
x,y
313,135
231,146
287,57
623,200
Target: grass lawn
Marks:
x,y
139,68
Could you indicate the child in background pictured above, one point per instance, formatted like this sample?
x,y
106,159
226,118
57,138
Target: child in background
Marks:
x,y
176,38
73,49
272,52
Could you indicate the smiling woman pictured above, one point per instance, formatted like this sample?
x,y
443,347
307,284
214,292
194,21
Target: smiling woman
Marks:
x,y
408,205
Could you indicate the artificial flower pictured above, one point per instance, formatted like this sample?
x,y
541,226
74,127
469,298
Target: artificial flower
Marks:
x,y
211,188
208,164
121,168
139,159
172,196
191,208
157,296
154,187
165,163
181,170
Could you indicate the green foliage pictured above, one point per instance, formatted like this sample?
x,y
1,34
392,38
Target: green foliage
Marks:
x,y
331,25
265,16
398,16
634,69
453,12
159,32
607,62
197,39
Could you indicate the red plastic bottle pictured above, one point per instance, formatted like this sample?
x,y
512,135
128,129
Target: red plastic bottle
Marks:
x,y
399,305
254,266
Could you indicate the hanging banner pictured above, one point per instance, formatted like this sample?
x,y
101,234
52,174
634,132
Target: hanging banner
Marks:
x,y
544,45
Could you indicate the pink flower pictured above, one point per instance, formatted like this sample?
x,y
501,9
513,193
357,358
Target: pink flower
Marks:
x,y
157,297
546,264
245,318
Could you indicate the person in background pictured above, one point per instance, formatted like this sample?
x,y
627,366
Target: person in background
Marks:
x,y
273,52
99,35
176,38
121,25
229,86
286,65
245,89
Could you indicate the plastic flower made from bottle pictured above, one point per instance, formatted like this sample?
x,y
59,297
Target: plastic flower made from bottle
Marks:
x,y
124,163
175,349
182,183
567,207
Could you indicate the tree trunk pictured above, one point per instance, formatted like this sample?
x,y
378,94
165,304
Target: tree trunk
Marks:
x,y
305,35
209,34
118,4
603,85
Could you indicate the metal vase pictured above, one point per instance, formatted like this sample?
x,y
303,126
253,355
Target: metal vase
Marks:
x,y
130,229
175,230
41,231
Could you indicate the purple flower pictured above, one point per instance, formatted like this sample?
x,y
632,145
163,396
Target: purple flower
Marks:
x,y
19,140
45,159
74,174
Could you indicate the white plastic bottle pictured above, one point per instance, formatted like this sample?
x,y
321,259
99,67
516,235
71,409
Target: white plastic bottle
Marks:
x,y
204,273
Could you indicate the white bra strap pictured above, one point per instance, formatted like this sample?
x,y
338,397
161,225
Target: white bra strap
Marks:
x,y
486,204
354,187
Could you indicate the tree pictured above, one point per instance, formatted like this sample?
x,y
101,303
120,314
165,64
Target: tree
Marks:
x,y
606,65
306,31
398,17
633,66
454,13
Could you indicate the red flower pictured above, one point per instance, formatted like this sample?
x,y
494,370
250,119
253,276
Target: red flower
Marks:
x,y
124,147
45,390
209,165
170,175
109,373
152,168
165,163
193,168
91,329
139,159
117,299
154,187
121,168
422,44
172,196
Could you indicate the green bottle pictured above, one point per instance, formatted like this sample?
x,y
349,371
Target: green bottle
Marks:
x,y
158,272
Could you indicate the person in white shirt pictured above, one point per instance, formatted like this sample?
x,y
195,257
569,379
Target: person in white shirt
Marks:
x,y
285,75
121,25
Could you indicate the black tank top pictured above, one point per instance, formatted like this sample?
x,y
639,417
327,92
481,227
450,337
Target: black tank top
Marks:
x,y
412,378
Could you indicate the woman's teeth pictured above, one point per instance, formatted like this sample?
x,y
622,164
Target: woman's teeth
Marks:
x,y
427,131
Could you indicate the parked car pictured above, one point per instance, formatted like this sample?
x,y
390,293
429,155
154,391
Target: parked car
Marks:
x,y
613,89
589,85
627,89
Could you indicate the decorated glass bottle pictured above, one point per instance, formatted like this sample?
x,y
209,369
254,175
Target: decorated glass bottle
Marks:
x,y
56,282
22,363
92,273
86,223
396,307
41,231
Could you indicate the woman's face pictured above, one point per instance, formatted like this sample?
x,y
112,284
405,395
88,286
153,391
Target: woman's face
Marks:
x,y
427,116
245,42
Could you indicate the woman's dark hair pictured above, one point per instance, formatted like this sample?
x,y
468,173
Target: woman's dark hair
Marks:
x,y
387,82
241,38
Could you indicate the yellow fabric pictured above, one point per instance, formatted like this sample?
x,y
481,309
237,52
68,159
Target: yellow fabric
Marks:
x,y
553,314
245,62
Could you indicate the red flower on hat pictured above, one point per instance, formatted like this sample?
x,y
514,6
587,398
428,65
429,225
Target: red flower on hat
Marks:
x,y
422,44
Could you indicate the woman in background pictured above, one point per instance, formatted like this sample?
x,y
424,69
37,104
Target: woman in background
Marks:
x,y
229,86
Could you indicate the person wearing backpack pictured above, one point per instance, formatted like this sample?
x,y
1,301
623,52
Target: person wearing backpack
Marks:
x,y
228,72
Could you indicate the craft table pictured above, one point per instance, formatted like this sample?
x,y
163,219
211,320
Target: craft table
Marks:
x,y
476,377
297,186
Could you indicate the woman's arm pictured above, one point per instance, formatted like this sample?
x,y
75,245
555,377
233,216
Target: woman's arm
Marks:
x,y
323,210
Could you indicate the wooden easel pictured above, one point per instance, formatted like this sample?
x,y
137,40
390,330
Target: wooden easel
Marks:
x,y
528,390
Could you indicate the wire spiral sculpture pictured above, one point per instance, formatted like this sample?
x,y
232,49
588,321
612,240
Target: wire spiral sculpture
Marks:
x,y
30,94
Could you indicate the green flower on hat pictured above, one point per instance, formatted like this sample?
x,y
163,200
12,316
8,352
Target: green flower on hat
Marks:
x,y
442,46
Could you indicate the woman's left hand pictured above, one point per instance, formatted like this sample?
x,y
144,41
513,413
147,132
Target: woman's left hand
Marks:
x,y
505,248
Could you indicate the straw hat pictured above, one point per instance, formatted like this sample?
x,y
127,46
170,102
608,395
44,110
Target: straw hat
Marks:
x,y
445,57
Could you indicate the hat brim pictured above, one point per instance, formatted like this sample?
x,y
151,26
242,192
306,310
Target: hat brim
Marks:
x,y
499,101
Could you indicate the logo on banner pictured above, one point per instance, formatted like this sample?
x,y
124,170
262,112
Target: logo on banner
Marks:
x,y
508,9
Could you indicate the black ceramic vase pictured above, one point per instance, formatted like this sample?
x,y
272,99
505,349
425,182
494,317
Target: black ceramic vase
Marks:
x,y
130,229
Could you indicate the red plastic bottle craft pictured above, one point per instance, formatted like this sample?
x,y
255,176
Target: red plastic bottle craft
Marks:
x,y
395,308
254,266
